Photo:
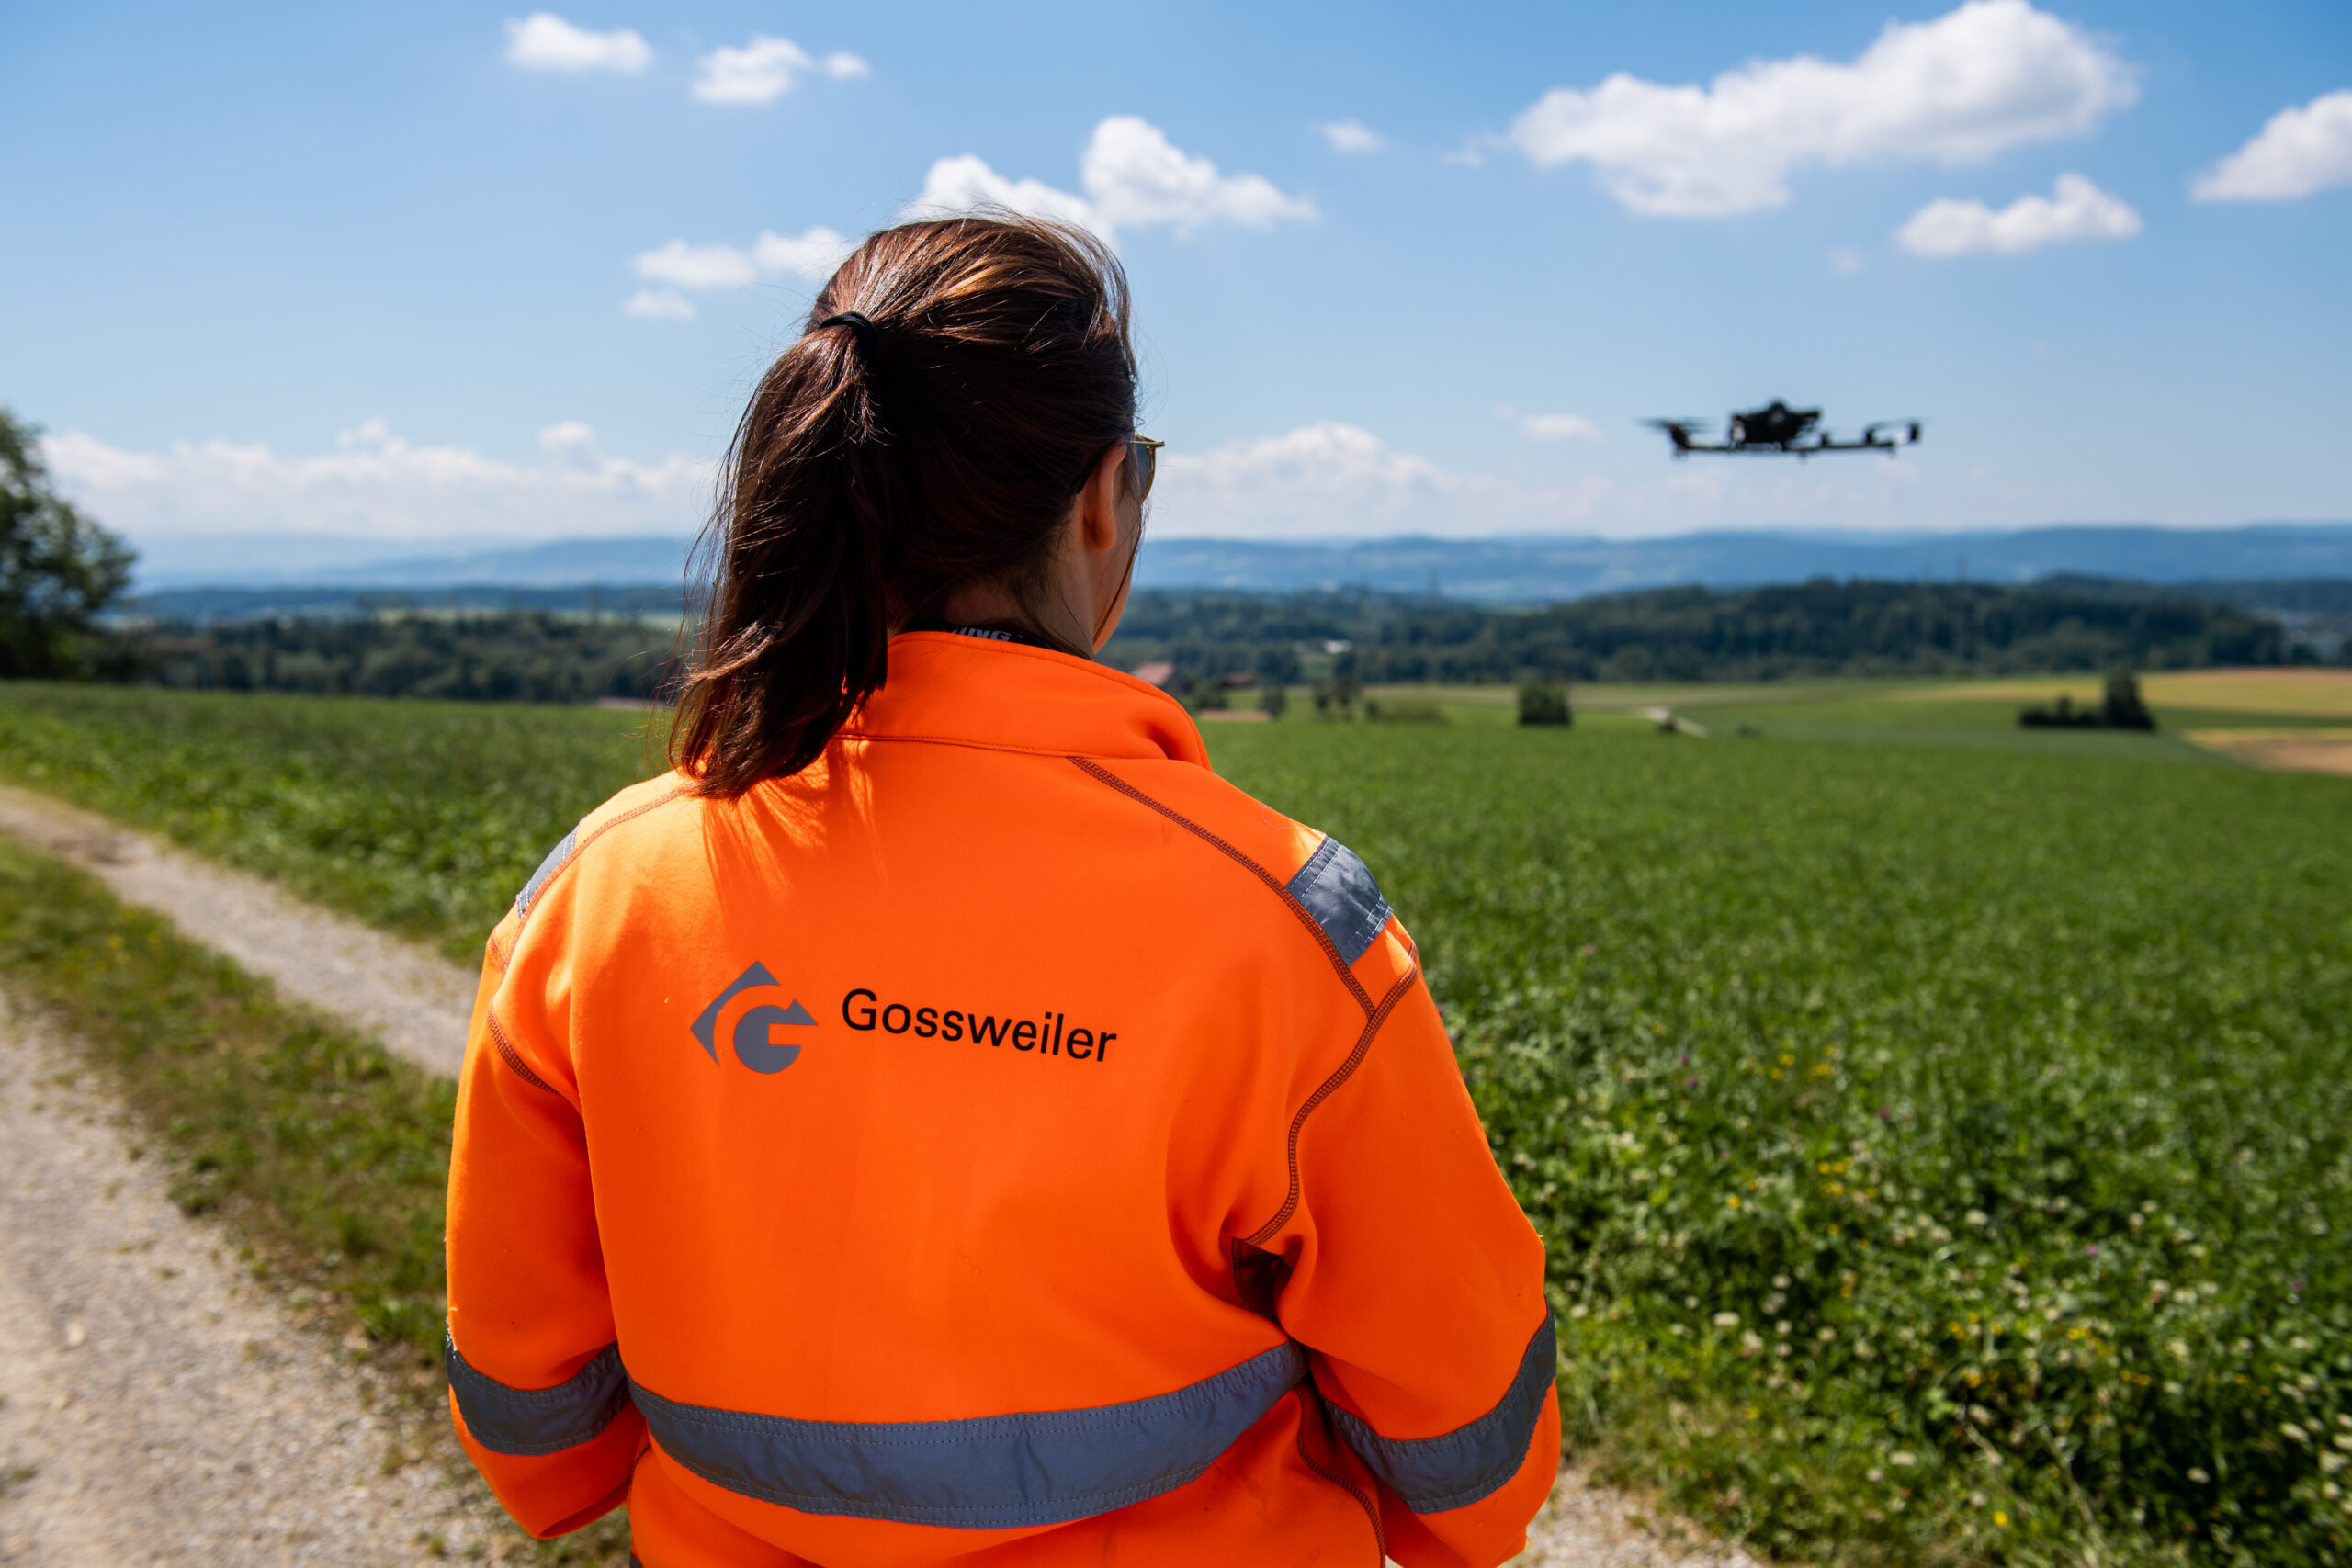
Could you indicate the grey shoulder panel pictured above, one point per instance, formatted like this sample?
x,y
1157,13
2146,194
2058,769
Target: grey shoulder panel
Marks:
x,y
548,868
1337,890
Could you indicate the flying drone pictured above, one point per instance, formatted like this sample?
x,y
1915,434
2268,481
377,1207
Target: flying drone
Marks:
x,y
1778,430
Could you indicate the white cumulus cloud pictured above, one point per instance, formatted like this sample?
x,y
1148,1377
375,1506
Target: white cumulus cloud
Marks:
x,y
1989,75
764,70
1327,478
698,267
2078,211
2299,152
812,253
659,305
966,182
1133,176
545,41
1557,427
375,484
1352,136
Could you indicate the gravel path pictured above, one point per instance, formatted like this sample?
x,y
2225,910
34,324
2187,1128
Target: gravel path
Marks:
x,y
1589,1526
155,1407
414,1000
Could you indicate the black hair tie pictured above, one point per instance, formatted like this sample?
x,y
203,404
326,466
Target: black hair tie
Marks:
x,y
856,322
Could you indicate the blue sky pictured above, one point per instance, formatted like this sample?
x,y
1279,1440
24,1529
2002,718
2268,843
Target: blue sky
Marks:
x,y
368,271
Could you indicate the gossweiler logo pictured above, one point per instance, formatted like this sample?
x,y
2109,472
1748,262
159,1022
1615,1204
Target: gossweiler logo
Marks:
x,y
753,1044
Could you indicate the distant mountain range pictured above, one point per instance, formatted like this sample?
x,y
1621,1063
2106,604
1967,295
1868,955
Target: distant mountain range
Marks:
x,y
1519,568
1534,569
310,560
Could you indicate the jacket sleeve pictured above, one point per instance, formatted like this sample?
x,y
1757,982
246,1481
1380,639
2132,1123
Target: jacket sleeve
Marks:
x,y
535,1385
1417,1286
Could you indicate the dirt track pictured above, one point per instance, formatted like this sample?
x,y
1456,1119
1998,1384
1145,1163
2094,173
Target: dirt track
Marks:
x,y
156,1408
408,997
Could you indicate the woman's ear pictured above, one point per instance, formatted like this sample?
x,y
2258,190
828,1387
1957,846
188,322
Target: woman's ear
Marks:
x,y
1110,533
1101,503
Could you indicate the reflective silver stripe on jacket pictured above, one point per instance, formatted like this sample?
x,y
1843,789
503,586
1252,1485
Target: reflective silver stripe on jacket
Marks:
x,y
994,1471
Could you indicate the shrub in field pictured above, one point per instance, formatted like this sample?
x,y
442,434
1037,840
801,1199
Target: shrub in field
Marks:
x,y
1543,702
1940,1155
2121,709
1336,698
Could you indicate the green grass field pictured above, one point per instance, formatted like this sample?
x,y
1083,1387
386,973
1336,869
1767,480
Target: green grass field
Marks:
x,y
1941,1133
423,817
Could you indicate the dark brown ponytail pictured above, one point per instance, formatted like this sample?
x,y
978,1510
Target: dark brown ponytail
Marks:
x,y
935,438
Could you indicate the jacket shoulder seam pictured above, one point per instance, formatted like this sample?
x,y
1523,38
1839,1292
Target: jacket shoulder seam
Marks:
x,y
965,741
1323,1091
512,1056
1376,1014
1272,883
523,916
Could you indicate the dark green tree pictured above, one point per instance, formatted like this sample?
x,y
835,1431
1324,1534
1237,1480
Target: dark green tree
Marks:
x,y
1544,701
58,568
2123,708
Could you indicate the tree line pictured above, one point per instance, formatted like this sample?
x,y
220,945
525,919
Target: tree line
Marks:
x,y
523,657
1821,627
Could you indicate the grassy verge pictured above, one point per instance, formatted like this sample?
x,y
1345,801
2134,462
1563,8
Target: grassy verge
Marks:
x,y
326,1159
420,817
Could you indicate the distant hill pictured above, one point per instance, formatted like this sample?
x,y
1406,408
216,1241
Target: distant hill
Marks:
x,y
209,606
1530,568
315,560
1537,570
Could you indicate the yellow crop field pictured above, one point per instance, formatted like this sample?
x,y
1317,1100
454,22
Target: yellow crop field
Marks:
x,y
2310,751
2299,692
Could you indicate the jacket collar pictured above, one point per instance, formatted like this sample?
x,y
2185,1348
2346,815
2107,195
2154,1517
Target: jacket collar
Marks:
x,y
974,692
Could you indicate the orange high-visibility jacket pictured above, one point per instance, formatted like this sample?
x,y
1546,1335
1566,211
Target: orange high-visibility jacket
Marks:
x,y
1004,1142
